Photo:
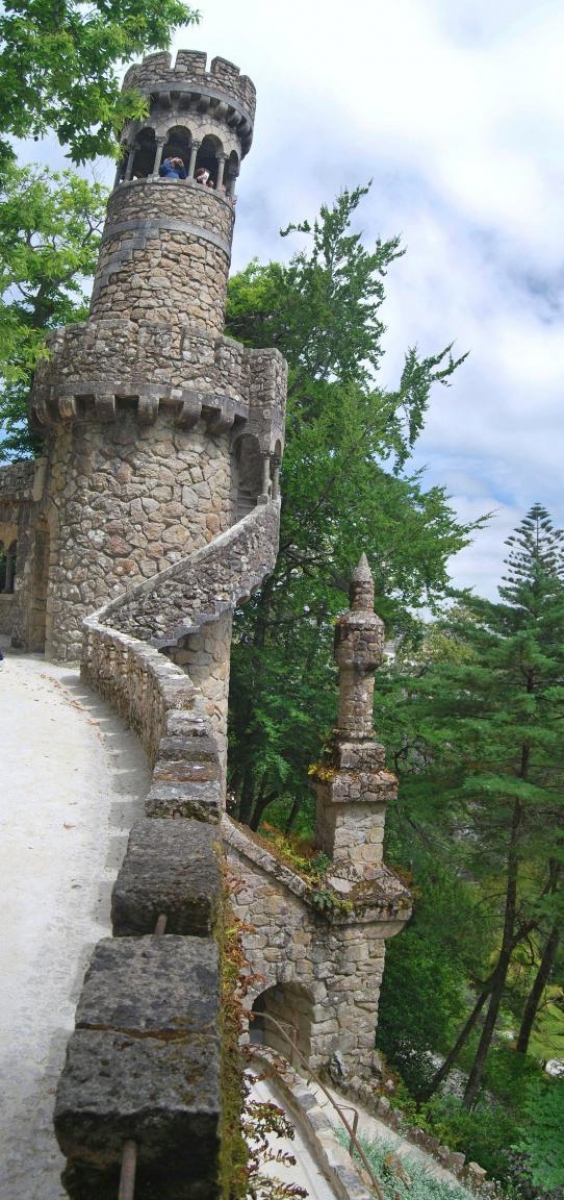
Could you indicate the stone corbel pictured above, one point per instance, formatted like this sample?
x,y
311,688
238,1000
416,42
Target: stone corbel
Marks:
x,y
189,413
105,406
66,406
147,409
220,420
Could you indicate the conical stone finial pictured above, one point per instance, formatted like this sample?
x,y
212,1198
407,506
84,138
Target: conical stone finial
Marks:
x,y
361,590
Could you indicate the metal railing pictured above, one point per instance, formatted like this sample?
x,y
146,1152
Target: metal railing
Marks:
x,y
354,1143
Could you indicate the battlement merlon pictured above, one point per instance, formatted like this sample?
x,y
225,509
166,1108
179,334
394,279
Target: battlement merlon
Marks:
x,y
222,83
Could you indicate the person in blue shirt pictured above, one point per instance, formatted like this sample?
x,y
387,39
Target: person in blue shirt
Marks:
x,y
172,168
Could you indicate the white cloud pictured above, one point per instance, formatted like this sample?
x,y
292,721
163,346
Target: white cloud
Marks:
x,y
455,109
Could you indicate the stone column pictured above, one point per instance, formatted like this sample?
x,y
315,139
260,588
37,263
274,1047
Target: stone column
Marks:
x,y
351,784
158,156
193,156
220,170
129,167
231,184
118,174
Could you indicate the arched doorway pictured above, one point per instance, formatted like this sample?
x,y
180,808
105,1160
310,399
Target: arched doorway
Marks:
x,y
248,474
39,585
282,1017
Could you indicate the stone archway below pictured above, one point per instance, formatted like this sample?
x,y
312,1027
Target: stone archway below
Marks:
x,y
285,1009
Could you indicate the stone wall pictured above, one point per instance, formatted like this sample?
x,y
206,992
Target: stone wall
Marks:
x,y
145,1061
127,501
165,249
326,967
22,615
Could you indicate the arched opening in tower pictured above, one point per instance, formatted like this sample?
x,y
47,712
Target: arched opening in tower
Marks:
x,y
248,474
178,143
282,1019
145,148
8,556
207,157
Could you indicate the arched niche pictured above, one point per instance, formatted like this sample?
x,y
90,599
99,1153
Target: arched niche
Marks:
x,y
208,156
282,1018
8,558
248,474
144,148
178,143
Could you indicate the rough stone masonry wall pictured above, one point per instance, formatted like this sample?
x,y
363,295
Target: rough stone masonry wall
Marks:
x,y
337,964
165,249
18,514
126,502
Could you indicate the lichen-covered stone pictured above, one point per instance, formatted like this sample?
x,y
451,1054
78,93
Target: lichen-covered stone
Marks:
x,y
170,867
162,1094
163,986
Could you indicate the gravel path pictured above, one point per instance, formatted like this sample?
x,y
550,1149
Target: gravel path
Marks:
x,y
72,781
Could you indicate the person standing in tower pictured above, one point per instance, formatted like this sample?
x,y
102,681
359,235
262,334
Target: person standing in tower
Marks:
x,y
172,168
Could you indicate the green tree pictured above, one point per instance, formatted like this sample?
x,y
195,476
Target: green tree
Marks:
x,y
346,489
60,60
50,225
485,759
541,1136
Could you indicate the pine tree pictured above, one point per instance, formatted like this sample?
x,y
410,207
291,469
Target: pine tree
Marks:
x,y
488,730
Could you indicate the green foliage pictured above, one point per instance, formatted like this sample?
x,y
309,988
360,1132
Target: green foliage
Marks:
x,y
50,226
345,490
59,62
424,985
478,742
484,1135
540,1137
407,1178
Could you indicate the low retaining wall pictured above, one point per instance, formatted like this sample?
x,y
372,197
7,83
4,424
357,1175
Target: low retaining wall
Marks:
x,y
146,1059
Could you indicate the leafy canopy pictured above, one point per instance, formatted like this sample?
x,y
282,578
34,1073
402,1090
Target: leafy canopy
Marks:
x,y
345,490
50,226
59,61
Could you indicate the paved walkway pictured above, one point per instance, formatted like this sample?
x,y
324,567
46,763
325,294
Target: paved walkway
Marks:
x,y
72,781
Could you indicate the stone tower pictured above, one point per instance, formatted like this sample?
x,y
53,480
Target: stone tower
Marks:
x,y
160,433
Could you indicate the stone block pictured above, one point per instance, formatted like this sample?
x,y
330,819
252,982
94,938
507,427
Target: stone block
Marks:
x,y
163,1095
202,801
166,987
171,867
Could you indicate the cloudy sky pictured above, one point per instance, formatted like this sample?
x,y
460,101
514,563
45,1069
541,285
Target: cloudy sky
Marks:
x,y
455,110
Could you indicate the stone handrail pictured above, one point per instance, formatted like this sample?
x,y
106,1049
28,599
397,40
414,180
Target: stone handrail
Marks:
x,y
197,590
148,1021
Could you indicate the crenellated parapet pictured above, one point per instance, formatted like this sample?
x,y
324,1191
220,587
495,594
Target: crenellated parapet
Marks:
x,y
222,84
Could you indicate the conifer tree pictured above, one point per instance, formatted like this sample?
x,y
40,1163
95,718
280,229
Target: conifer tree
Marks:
x,y
488,729
346,489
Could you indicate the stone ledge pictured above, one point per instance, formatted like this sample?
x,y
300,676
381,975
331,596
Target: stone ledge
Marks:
x,y
164,1095
333,1159
163,987
172,868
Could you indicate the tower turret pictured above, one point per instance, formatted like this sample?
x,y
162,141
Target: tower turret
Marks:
x,y
160,432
